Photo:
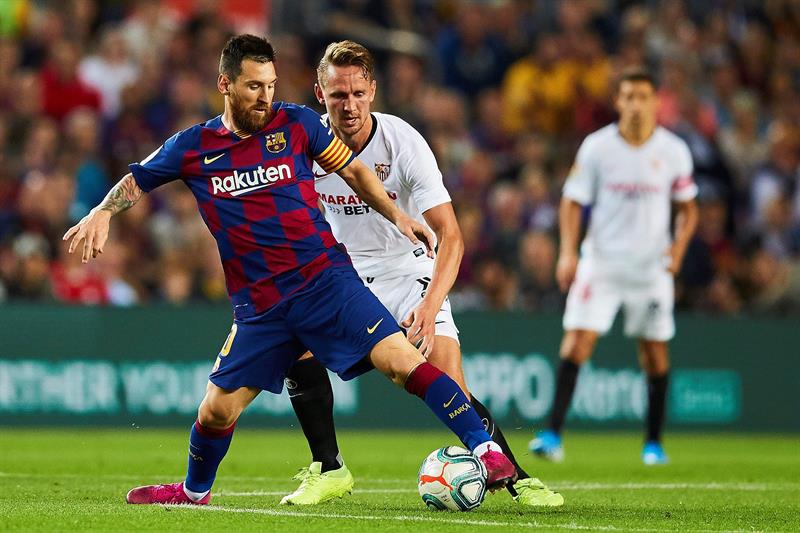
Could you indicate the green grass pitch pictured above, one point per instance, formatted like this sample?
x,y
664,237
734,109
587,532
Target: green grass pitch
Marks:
x,y
57,480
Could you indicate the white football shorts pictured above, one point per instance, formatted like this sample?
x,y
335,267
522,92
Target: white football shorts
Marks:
x,y
597,294
402,294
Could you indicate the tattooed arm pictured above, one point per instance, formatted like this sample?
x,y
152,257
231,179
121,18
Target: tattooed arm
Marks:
x,y
93,228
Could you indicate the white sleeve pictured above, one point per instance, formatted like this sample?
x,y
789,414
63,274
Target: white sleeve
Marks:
x,y
420,172
683,187
581,184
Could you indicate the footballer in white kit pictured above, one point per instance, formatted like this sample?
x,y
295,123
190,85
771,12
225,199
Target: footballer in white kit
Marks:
x,y
623,260
630,175
412,285
397,272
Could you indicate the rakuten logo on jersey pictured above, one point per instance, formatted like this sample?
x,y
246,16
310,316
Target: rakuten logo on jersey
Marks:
x,y
252,180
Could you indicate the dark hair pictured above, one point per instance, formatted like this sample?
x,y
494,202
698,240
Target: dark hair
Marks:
x,y
637,74
345,54
241,47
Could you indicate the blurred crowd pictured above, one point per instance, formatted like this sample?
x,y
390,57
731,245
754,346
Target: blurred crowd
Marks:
x,y
503,90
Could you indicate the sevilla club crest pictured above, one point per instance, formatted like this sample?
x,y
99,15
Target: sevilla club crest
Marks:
x,y
276,142
382,170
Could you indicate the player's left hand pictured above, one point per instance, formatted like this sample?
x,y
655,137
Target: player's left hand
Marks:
x,y
420,325
675,260
415,232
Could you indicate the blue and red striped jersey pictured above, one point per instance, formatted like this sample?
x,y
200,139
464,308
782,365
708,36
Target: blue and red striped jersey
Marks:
x,y
256,195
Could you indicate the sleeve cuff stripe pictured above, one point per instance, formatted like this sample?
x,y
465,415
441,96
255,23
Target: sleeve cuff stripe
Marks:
x,y
335,143
336,157
344,162
335,154
335,164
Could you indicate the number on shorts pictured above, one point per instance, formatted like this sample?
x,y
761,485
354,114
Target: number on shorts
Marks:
x,y
226,348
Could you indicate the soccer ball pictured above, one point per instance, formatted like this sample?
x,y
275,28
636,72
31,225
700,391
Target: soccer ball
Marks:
x,y
452,479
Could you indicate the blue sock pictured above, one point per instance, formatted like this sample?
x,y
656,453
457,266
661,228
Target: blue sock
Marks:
x,y
448,402
207,447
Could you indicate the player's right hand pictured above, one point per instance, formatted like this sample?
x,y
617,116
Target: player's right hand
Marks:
x,y
415,232
565,270
93,231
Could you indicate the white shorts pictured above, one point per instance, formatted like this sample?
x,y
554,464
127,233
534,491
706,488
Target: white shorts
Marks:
x,y
597,294
401,295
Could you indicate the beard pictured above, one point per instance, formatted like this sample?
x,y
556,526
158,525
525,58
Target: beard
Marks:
x,y
248,118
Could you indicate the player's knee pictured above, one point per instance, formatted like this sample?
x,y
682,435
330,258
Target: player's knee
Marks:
x,y
654,358
576,353
657,366
395,358
402,366
213,414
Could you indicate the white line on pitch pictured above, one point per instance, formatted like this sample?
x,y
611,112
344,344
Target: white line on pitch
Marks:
x,y
283,492
432,519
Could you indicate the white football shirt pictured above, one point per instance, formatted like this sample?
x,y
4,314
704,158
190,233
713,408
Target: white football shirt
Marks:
x,y
404,162
630,189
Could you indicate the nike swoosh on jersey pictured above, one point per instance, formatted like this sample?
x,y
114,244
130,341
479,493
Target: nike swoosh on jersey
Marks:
x,y
446,405
372,329
208,160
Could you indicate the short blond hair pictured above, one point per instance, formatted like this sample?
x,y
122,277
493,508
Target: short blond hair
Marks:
x,y
345,54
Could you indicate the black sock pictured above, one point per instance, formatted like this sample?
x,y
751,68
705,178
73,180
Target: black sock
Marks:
x,y
565,387
312,399
656,401
494,431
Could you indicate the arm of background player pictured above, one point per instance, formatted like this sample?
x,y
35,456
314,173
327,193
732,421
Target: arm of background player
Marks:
x,y
93,228
569,227
369,188
421,323
685,225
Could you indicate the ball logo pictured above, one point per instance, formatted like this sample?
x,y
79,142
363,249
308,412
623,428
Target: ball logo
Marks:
x,y
276,142
382,170
425,478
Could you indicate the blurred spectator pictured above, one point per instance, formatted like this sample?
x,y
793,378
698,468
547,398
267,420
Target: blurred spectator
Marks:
x,y
82,127
774,284
148,28
541,211
114,266
506,222
780,174
30,279
741,142
537,259
109,71
403,88
76,283
540,89
471,57
471,222
63,91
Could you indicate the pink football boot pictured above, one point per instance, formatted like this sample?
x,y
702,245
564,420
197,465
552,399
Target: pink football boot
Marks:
x,y
172,494
499,470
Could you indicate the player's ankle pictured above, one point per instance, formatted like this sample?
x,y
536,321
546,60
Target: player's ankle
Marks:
x,y
484,447
195,496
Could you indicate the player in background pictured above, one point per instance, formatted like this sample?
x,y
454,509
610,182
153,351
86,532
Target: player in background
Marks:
x,y
629,173
292,285
412,285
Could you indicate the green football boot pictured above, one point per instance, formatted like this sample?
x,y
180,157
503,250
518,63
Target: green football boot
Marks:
x,y
532,492
317,487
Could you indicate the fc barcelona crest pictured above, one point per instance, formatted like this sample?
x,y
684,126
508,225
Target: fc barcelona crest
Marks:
x,y
382,170
276,142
